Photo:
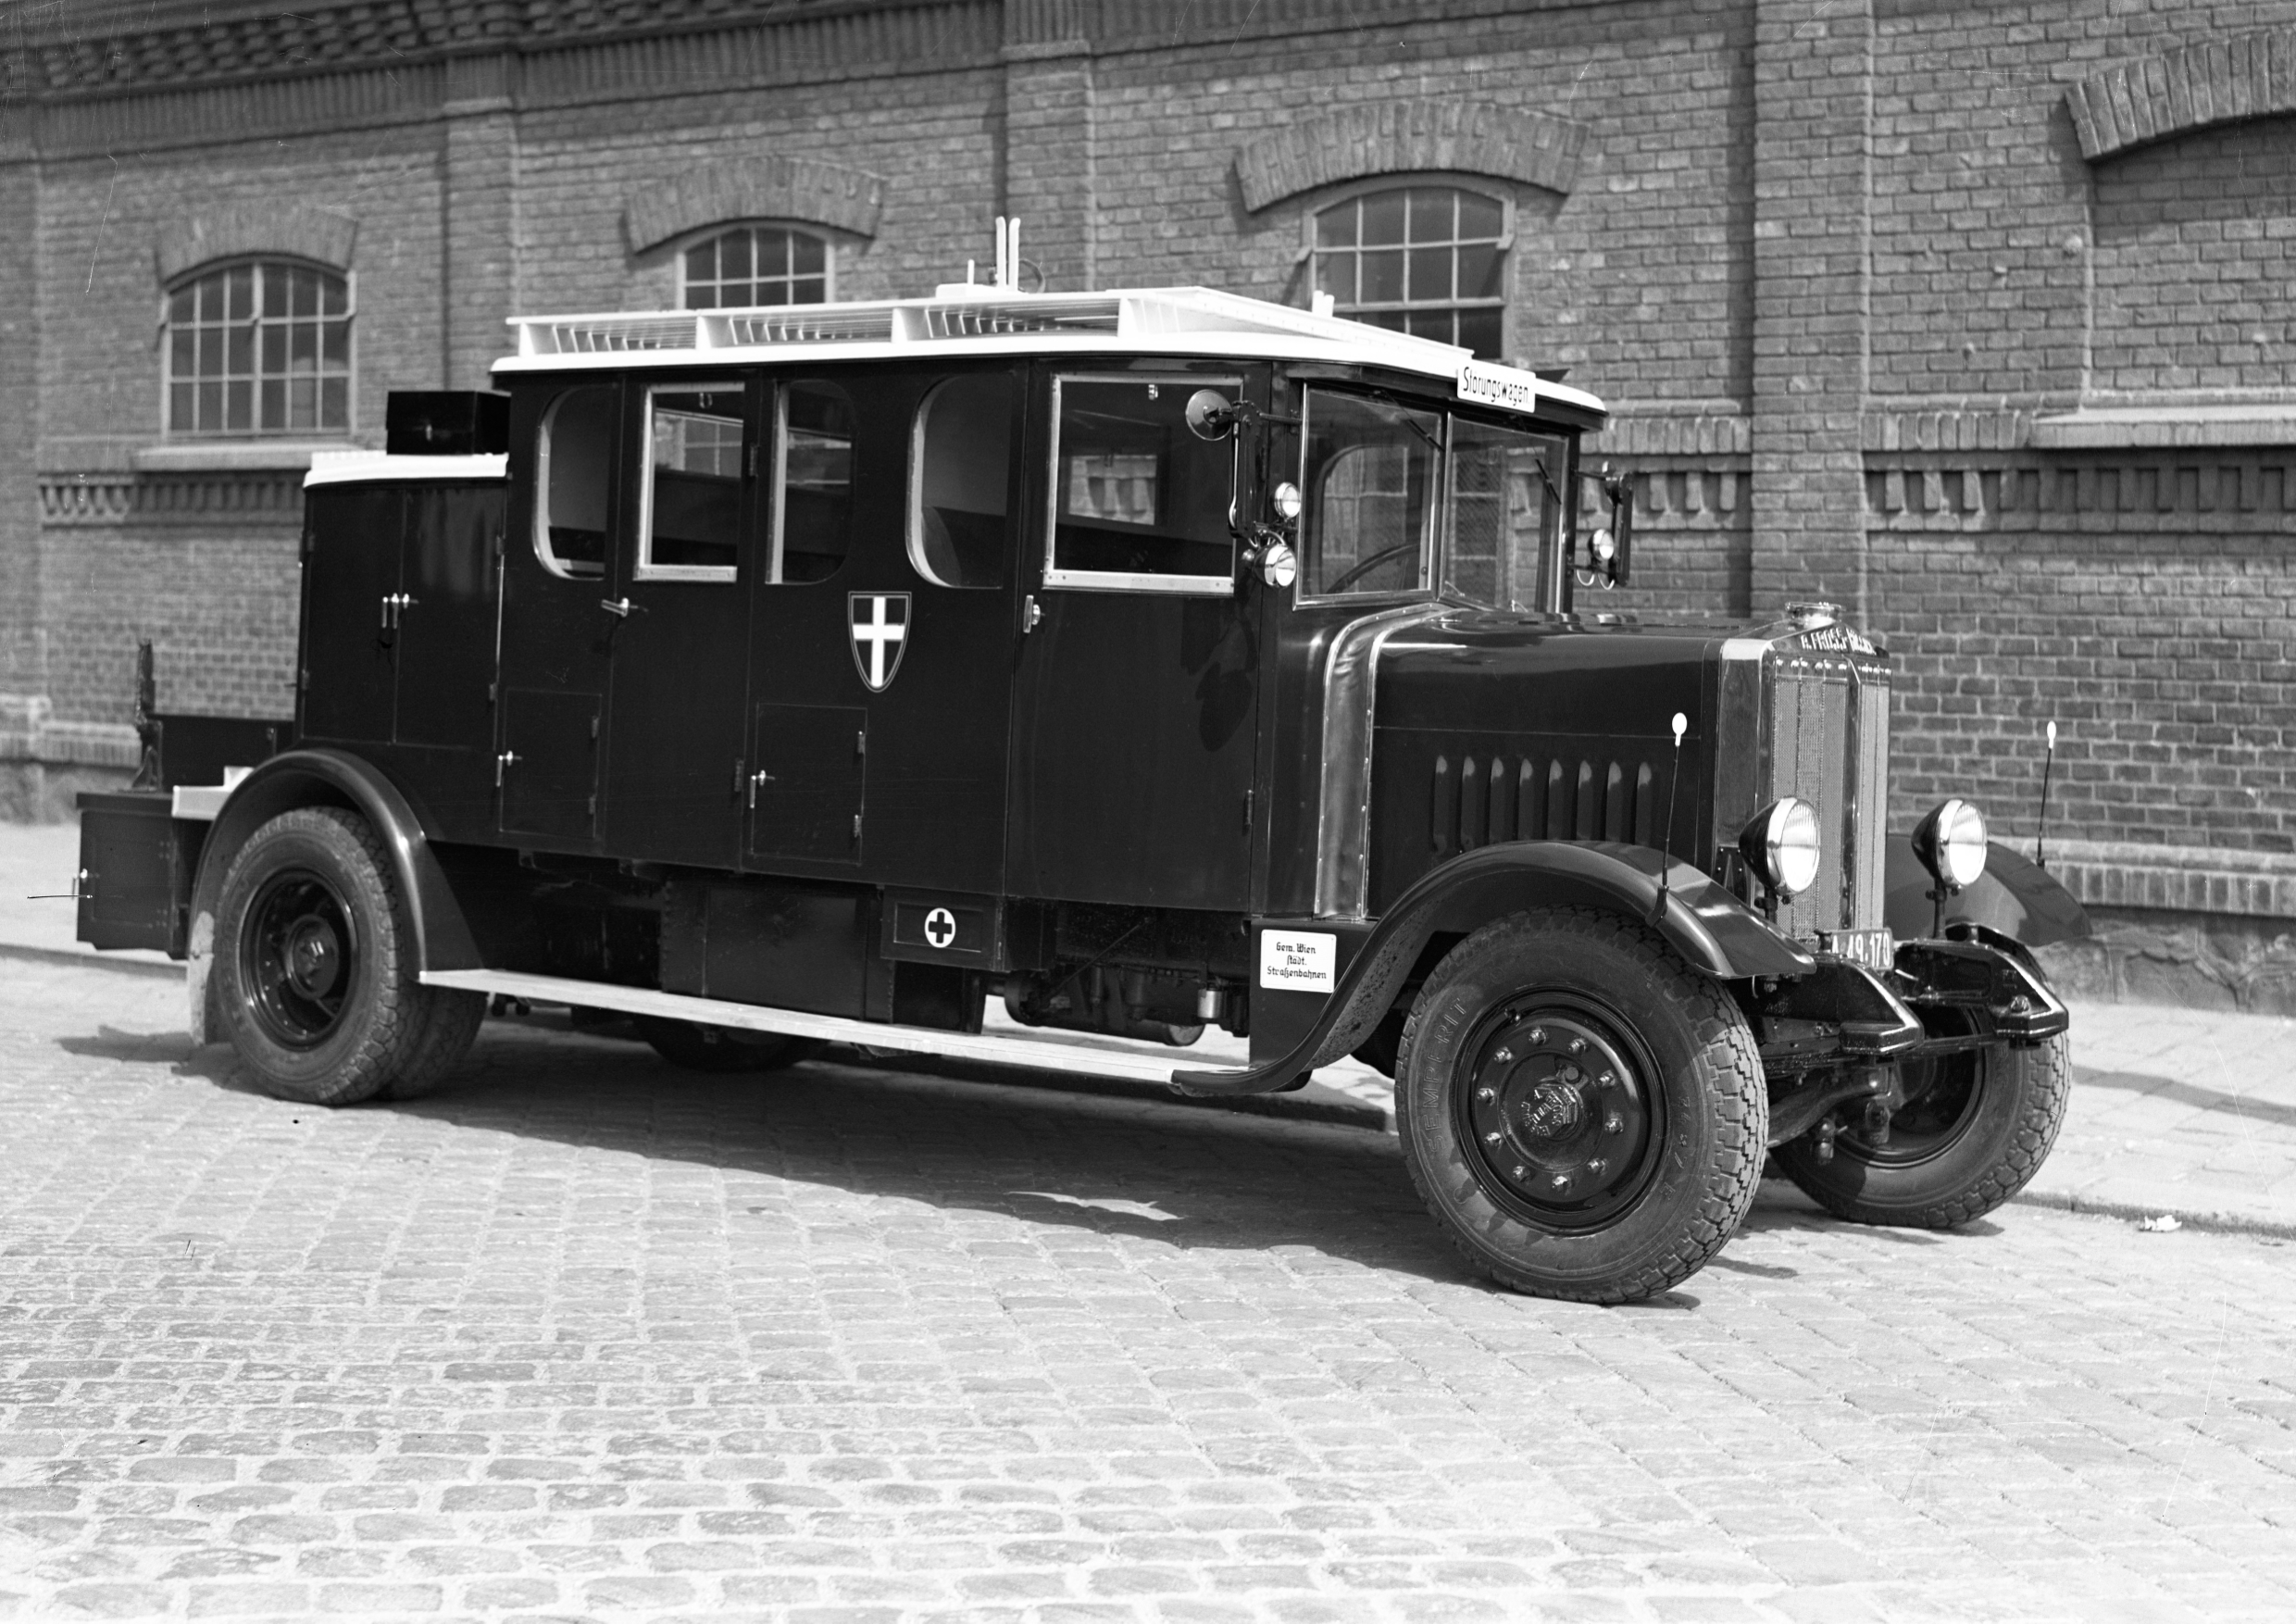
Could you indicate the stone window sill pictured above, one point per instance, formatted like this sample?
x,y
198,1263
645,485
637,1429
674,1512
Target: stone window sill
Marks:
x,y
230,456
2169,425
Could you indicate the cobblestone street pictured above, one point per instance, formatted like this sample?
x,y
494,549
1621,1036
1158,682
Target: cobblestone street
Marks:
x,y
582,1336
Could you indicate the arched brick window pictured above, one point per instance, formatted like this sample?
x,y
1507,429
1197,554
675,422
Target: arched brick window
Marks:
x,y
262,347
1426,259
754,264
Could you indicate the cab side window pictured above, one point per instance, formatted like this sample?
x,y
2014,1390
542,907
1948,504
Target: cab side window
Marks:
x,y
1139,502
690,518
959,471
813,497
570,481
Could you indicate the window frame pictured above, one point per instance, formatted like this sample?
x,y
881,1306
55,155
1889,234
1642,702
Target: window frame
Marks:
x,y
913,517
726,227
1434,559
1132,580
1354,192
641,567
546,554
189,279
777,493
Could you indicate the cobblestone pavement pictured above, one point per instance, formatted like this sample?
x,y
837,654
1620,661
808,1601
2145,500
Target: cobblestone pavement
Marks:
x,y
584,1337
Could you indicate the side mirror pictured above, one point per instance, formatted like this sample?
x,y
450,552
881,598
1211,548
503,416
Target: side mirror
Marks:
x,y
1212,416
1606,526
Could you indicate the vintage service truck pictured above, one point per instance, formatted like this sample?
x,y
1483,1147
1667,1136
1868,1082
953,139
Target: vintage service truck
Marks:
x,y
1142,661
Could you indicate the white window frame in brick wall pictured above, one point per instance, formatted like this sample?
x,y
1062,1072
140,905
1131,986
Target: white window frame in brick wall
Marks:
x,y
1423,251
711,276
259,347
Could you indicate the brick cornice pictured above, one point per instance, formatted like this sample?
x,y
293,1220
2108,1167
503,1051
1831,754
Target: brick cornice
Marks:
x,y
1421,134
232,229
2214,81
766,187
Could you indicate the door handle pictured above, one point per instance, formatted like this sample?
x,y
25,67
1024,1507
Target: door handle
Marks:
x,y
621,608
760,777
507,758
1031,613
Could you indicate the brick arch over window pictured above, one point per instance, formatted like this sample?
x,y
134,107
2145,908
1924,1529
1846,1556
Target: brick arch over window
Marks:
x,y
250,230
2153,98
796,189
1427,135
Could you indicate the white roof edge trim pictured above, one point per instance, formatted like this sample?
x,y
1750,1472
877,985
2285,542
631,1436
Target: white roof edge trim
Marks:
x,y
1191,320
345,468
1745,648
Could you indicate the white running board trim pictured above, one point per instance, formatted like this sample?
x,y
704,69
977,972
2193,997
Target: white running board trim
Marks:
x,y
1066,1052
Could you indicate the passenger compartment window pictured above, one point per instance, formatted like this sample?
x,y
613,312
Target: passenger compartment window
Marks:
x,y
1370,470
1139,503
960,458
577,449
812,504
690,520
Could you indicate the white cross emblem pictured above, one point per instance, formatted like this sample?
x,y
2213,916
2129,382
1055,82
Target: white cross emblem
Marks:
x,y
940,927
879,623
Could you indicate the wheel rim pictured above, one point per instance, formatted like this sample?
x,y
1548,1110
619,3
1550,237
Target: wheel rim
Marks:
x,y
1941,1097
298,959
1557,1103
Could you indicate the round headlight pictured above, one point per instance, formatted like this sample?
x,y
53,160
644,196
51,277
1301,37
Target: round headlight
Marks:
x,y
1603,546
1950,843
1286,499
1782,844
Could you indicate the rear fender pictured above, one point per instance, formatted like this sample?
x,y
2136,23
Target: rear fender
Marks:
x,y
327,777
1711,929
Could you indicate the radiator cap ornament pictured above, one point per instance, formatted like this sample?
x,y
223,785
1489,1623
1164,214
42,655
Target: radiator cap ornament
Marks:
x,y
1808,615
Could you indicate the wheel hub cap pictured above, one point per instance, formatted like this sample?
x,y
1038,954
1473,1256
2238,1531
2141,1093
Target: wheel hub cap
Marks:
x,y
1558,1114
314,957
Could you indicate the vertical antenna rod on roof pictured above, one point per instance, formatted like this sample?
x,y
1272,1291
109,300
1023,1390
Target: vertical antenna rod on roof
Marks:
x,y
1000,253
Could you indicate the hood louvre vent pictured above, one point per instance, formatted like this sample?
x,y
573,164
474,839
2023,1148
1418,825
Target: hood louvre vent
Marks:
x,y
1477,801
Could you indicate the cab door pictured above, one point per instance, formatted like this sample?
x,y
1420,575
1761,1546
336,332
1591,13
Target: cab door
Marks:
x,y
1136,693
675,613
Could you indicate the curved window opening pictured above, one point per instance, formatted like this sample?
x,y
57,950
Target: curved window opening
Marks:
x,y
960,457
261,348
1428,260
754,264
812,505
570,481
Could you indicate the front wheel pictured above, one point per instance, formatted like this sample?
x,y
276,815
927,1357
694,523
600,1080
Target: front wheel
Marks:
x,y
1974,1129
1582,1112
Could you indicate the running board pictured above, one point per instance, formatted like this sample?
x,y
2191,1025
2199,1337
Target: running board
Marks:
x,y
1066,1052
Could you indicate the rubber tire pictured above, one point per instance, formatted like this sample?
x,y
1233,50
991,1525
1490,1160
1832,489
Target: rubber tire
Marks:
x,y
391,1027
454,1027
705,1048
1709,1077
2021,1094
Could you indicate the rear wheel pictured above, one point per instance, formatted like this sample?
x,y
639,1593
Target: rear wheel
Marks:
x,y
718,1048
1582,1112
316,979
1974,1129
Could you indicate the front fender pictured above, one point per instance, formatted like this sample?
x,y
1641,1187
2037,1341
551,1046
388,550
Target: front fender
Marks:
x,y
332,778
1711,929
2014,896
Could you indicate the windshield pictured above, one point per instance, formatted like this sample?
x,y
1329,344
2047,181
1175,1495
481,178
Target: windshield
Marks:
x,y
1398,498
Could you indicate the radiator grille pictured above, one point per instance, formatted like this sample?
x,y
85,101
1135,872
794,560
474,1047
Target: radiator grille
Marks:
x,y
1826,741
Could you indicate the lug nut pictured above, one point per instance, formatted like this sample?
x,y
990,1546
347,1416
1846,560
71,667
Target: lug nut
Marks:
x,y
1486,1094
1613,1123
1537,1034
1578,1045
1560,1181
1493,1137
1607,1079
1597,1166
1520,1169
1502,1055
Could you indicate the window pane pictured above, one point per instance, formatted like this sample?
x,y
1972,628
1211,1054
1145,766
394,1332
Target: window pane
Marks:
x,y
303,347
243,291
276,289
1369,522
302,403
1479,218
1383,217
694,474
807,255
1335,274
182,352
1478,273
1382,277
334,403
1431,214
1431,274
211,405
307,293
959,527
1478,331
1335,228
814,505
182,304
573,460
180,408
334,295
733,256
1135,492
274,403
1506,519
239,405
274,350
240,358
336,352
1434,324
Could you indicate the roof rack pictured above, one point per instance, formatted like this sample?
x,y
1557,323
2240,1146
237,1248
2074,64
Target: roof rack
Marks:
x,y
1184,318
